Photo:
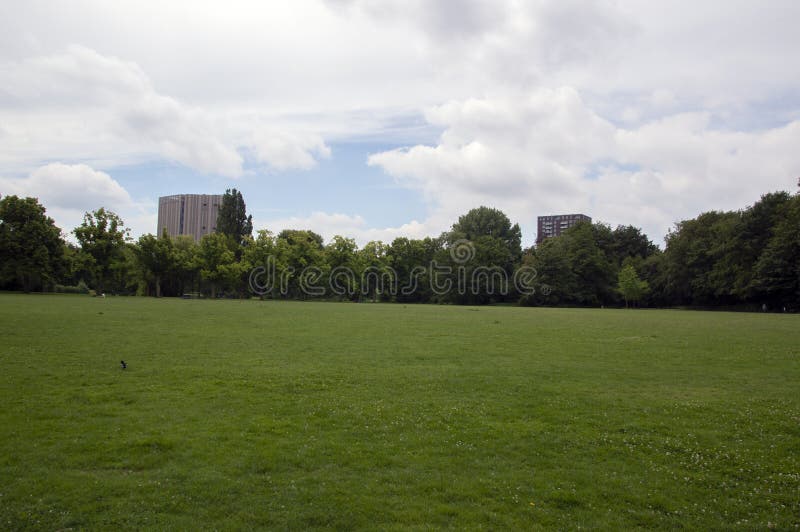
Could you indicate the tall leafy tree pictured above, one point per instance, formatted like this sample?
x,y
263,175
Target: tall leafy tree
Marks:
x,y
726,258
488,222
493,249
651,270
102,236
262,253
77,265
629,241
412,261
487,277
185,273
576,268
296,236
630,286
300,253
232,219
341,252
375,273
123,275
31,248
342,257
595,272
215,257
693,249
556,282
755,230
777,272
156,257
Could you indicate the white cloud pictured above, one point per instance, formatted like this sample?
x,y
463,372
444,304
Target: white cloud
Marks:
x,y
664,110
283,150
487,41
83,106
68,191
343,55
76,186
548,153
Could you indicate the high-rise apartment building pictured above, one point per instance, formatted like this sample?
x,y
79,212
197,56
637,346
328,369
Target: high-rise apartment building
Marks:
x,y
188,214
556,224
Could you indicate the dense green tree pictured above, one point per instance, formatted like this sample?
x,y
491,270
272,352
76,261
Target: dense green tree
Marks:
x,y
31,247
262,253
184,276
651,270
341,251
214,258
302,256
748,257
156,256
125,273
492,278
234,276
576,268
629,241
484,249
375,274
488,222
102,236
232,218
692,250
411,261
295,236
777,272
724,254
77,265
630,286
556,282
753,234
725,258
342,257
594,270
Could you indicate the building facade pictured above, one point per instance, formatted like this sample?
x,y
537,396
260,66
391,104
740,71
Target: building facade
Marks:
x,y
554,225
194,215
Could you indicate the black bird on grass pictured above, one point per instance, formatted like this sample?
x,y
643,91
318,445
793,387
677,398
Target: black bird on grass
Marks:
x,y
123,364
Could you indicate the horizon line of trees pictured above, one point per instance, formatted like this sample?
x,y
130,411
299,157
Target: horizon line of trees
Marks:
x,y
749,257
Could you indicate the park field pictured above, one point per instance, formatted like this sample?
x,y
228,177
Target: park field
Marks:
x,y
289,415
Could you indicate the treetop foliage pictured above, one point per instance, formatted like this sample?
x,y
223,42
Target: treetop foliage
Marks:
x,y
488,222
31,248
232,218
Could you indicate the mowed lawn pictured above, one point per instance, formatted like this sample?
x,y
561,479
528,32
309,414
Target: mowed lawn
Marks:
x,y
249,414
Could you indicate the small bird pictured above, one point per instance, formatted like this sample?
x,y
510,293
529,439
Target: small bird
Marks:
x,y
123,364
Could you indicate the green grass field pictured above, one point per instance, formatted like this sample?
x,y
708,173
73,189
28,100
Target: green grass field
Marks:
x,y
248,414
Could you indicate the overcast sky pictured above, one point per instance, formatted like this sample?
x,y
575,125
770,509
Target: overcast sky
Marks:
x,y
385,118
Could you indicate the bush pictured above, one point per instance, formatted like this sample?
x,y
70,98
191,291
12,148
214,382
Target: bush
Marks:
x,y
80,288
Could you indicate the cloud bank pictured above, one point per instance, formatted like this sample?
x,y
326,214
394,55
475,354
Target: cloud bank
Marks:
x,y
68,191
630,111
81,105
547,152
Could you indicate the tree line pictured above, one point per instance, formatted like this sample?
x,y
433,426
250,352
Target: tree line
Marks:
x,y
745,258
